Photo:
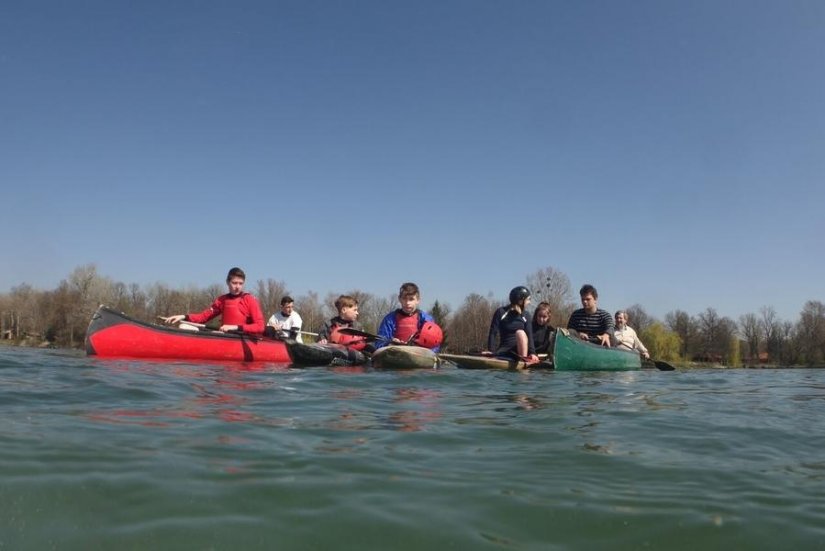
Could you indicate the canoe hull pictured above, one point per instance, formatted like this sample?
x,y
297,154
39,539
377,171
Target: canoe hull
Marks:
x,y
404,357
571,353
112,334
316,354
466,361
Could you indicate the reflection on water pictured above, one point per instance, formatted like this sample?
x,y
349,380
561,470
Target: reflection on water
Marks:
x,y
422,407
217,391
526,402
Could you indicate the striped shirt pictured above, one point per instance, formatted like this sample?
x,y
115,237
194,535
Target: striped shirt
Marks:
x,y
594,324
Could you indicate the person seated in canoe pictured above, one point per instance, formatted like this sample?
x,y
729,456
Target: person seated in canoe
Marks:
x,y
626,337
347,307
408,324
239,310
543,331
285,324
512,327
591,322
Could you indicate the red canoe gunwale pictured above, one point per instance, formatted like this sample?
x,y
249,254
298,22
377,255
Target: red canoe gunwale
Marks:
x,y
112,334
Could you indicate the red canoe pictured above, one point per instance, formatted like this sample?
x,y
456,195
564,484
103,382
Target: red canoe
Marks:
x,y
112,334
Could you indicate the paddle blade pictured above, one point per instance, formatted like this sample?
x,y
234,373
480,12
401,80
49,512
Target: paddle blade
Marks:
x,y
663,366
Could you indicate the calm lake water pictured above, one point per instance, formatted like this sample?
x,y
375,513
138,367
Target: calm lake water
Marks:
x,y
138,455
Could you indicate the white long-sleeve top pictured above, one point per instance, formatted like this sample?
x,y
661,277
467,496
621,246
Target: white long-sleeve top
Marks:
x,y
627,338
287,323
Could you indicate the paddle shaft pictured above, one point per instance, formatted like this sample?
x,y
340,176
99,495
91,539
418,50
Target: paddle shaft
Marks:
x,y
204,326
192,323
660,365
300,331
358,333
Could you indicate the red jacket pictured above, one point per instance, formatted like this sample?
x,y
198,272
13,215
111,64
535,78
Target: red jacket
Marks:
x,y
242,310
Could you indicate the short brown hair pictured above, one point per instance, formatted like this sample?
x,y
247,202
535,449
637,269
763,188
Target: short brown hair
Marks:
x,y
235,272
588,289
286,300
408,289
345,301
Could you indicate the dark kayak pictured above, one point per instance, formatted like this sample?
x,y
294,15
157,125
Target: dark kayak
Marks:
x,y
315,354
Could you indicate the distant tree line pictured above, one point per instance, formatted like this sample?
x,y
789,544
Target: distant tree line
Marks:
x,y
60,317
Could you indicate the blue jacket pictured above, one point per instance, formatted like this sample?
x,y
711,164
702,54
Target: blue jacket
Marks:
x,y
388,326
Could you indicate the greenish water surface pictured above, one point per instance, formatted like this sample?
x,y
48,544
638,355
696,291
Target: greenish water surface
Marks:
x,y
104,454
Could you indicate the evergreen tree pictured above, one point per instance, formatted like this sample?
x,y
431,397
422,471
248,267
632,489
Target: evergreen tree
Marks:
x,y
441,315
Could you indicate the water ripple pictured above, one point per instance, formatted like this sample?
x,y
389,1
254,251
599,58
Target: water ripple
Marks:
x,y
173,454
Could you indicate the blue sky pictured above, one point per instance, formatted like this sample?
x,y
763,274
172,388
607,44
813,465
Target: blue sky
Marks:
x,y
670,153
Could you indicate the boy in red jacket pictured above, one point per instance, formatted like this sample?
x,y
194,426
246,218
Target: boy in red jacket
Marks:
x,y
239,311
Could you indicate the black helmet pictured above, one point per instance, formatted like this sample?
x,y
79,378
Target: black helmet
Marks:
x,y
518,294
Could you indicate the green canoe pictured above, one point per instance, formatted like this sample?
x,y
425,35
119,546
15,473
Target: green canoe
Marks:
x,y
571,353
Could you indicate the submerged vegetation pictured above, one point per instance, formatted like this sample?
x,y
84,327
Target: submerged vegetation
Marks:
x,y
59,317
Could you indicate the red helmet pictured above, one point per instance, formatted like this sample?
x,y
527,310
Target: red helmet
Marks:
x,y
350,341
430,335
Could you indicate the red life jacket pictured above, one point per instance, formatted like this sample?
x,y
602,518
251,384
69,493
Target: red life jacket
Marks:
x,y
406,326
350,341
234,310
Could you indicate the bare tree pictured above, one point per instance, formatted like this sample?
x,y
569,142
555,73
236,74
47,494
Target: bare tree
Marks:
x,y
708,327
638,318
728,342
90,291
716,334
768,323
470,324
328,305
550,285
24,311
163,301
371,309
811,332
749,326
269,295
138,302
311,310
787,353
684,326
